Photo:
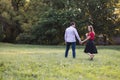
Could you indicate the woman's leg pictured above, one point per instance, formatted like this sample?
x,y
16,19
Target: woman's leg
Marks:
x,y
91,56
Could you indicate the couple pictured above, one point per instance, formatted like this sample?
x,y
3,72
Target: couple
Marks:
x,y
70,39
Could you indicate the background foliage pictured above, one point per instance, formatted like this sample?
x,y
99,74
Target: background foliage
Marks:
x,y
44,21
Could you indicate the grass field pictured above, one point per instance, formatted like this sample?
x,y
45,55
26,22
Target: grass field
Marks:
x,y
37,62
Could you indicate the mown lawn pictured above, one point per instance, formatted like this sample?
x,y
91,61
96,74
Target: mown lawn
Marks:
x,y
38,62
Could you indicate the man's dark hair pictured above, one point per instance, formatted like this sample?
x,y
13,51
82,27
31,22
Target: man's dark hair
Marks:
x,y
72,23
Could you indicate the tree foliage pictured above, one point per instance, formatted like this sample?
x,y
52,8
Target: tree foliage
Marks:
x,y
44,21
16,16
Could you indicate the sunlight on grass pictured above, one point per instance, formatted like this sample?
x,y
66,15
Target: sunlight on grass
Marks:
x,y
36,62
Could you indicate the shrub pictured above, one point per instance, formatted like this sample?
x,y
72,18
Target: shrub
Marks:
x,y
25,38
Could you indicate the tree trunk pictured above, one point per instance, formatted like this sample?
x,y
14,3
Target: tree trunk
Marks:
x,y
11,30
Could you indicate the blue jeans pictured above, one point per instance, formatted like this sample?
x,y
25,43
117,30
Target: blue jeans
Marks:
x,y
73,48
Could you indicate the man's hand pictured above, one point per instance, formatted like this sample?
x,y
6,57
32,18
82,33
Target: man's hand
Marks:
x,y
80,42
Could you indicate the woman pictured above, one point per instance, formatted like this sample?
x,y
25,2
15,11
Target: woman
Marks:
x,y
90,48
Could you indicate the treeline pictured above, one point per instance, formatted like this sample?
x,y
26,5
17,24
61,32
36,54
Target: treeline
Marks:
x,y
44,21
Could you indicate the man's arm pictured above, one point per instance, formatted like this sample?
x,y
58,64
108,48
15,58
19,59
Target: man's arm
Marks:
x,y
77,35
65,36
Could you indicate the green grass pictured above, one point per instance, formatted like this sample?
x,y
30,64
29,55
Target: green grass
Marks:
x,y
37,62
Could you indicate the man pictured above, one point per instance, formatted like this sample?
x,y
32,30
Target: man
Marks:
x,y
70,39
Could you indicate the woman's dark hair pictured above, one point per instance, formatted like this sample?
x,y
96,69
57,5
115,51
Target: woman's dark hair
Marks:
x,y
91,29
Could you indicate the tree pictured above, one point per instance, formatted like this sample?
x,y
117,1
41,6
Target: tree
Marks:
x,y
59,13
101,14
16,16
41,21
9,18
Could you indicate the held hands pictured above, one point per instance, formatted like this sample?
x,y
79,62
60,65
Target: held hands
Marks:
x,y
81,42
87,37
